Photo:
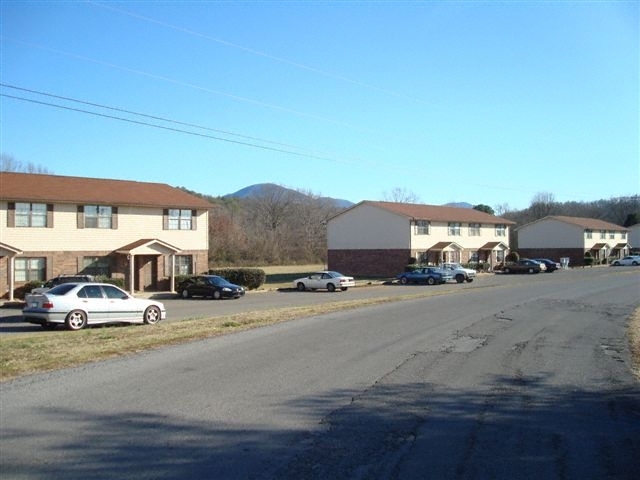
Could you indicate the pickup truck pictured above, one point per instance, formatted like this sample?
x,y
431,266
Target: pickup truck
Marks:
x,y
460,274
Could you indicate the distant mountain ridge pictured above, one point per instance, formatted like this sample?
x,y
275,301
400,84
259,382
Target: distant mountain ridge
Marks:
x,y
259,188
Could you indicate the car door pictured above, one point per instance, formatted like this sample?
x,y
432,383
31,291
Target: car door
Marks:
x,y
121,305
92,300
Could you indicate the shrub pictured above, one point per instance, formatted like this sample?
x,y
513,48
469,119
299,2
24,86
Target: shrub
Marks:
x,y
588,258
22,290
118,282
512,257
250,278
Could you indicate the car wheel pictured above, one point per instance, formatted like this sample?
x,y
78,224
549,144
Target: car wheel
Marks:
x,y
469,280
301,287
634,263
344,289
216,295
152,315
459,278
431,281
76,320
507,270
531,270
331,287
185,293
403,280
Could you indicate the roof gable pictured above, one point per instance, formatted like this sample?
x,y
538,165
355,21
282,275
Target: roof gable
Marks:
x,y
437,213
30,187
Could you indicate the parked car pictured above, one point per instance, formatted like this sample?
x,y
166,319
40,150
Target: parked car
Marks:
x,y
550,265
77,305
326,279
524,265
626,261
209,286
427,275
60,279
460,274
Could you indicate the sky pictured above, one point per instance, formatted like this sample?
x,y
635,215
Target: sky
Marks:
x,y
485,102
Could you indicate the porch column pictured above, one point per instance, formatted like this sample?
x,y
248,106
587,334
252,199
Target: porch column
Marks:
x,y
172,284
132,280
12,284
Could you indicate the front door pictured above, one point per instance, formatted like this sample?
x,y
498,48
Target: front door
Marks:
x,y
146,272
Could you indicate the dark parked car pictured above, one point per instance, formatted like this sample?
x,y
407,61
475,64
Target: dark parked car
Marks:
x,y
60,279
524,265
428,275
209,286
550,264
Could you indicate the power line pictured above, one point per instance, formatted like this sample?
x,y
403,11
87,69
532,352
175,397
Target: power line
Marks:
x,y
137,122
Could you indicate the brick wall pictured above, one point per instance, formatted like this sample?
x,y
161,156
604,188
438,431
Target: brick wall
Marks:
x,y
372,263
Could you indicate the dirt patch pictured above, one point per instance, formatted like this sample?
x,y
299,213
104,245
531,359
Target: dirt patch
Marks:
x,y
634,342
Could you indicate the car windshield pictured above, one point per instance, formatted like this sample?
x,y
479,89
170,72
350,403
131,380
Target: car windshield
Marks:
x,y
61,289
218,281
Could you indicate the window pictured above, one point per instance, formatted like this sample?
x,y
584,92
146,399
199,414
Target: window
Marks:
x,y
113,292
31,214
90,291
97,216
96,266
589,233
473,257
501,230
612,234
474,229
603,234
184,265
30,269
422,227
623,235
500,255
454,228
179,219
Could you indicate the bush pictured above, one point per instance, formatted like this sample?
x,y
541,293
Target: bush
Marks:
x,y
118,282
250,278
22,290
588,258
512,257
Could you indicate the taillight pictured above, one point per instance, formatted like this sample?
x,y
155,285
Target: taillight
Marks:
x,y
47,305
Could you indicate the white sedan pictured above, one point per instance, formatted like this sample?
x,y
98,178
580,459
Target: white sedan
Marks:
x,y
324,280
628,260
77,305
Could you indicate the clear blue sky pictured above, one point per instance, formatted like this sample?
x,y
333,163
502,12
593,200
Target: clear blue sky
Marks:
x,y
484,102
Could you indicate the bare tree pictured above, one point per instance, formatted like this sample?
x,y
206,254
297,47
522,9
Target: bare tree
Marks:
x,y
401,195
9,164
501,209
542,205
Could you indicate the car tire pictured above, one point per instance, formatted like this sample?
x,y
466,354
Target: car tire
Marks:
x,y
507,270
344,289
531,270
301,287
185,293
403,280
152,315
76,320
331,287
431,281
217,295
634,263
459,278
469,280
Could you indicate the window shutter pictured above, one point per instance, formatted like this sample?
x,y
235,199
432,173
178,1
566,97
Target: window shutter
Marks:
x,y
165,219
194,217
80,216
49,215
114,218
11,214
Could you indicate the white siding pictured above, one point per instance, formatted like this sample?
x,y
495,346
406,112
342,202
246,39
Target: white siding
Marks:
x,y
634,236
368,227
439,232
553,233
133,224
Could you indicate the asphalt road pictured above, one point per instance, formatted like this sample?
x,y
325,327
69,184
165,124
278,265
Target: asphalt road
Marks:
x,y
511,377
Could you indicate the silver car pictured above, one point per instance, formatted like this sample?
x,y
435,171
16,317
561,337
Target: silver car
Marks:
x,y
77,305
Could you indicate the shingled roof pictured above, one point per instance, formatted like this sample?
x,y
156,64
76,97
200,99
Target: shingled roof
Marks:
x,y
436,213
588,223
29,187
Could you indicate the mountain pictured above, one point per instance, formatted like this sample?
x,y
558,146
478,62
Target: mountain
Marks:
x,y
258,189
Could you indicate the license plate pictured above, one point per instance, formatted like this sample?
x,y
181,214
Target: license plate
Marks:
x,y
34,304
